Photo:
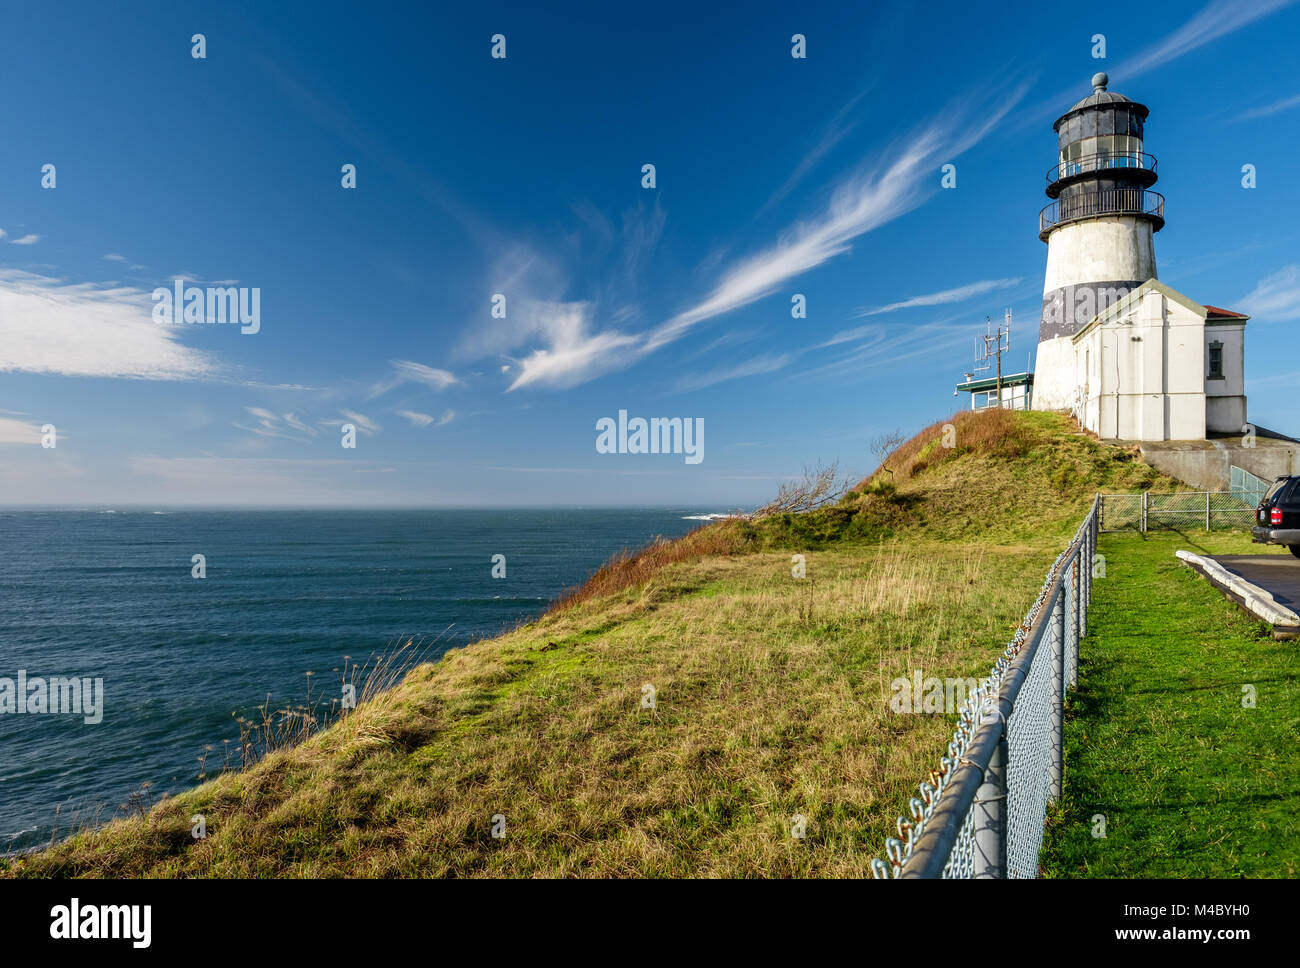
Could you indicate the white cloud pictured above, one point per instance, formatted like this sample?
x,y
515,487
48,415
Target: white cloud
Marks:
x,y
861,204
1213,21
1285,104
1277,297
293,421
406,371
834,132
114,257
364,423
767,363
886,348
26,240
51,326
270,424
875,332
959,294
417,419
18,431
573,353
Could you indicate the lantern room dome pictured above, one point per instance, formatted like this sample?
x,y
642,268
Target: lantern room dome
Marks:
x,y
1100,100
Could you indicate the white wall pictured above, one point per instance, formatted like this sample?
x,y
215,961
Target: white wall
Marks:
x,y
1225,400
1054,383
1142,373
1100,250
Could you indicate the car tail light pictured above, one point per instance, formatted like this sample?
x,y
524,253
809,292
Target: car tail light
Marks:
x,y
1275,516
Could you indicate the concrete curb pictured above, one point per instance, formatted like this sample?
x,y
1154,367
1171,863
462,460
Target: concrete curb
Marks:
x,y
1254,599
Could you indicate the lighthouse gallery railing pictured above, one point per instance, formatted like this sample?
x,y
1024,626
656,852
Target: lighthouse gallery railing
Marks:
x,y
1101,161
1106,201
981,814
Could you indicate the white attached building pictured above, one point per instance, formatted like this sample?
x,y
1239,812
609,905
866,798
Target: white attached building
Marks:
x,y
1158,366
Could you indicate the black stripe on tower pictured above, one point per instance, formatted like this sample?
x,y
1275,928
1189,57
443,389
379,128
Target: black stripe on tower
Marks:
x,y
1070,308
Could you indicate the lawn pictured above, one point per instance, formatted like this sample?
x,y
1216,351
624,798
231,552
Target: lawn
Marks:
x,y
1191,782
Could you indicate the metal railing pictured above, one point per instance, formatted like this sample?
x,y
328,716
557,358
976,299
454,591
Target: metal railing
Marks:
x,y
1106,201
981,814
1246,486
1208,510
1101,161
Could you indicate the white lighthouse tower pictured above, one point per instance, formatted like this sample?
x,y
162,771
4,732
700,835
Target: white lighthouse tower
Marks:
x,y
1098,230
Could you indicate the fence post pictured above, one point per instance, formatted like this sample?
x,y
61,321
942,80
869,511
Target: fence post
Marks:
x,y
1207,510
1076,592
1144,512
990,816
1089,556
1057,712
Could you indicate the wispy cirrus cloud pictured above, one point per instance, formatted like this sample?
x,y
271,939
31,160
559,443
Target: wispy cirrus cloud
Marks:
x,y
48,325
958,294
407,371
1264,111
270,424
879,346
1277,296
875,332
1212,22
862,203
576,351
14,431
832,134
573,353
363,423
765,363
418,419
26,240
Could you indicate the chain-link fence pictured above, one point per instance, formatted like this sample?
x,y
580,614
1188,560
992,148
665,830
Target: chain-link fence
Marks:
x,y
981,813
1245,486
1180,511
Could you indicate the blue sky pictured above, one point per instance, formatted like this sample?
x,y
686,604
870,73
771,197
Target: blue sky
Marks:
x,y
523,176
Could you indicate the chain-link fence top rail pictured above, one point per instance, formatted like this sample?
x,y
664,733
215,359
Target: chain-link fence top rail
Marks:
x,y
938,838
1181,510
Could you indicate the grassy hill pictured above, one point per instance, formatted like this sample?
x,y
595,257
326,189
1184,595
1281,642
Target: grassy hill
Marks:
x,y
770,696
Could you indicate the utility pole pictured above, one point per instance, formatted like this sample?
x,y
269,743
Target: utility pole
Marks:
x,y
994,345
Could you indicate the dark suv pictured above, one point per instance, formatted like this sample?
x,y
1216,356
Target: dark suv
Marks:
x,y
1278,515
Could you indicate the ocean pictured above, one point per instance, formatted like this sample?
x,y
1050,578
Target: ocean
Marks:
x,y
110,594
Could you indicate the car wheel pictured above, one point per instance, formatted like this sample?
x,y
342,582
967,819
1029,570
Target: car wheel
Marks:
x,y
1294,549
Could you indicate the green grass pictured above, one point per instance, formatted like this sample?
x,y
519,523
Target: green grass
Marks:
x,y
1190,783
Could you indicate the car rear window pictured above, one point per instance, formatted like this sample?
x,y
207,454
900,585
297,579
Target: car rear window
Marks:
x,y
1279,489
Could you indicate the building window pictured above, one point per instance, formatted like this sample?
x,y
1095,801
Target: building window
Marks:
x,y
1216,361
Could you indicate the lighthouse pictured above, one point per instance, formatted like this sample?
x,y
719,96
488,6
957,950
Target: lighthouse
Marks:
x,y
1099,230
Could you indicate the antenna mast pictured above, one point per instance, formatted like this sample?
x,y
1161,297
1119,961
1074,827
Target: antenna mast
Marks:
x,y
994,345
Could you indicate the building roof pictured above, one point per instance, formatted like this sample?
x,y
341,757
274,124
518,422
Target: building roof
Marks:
x,y
991,382
1214,312
1100,96
1120,306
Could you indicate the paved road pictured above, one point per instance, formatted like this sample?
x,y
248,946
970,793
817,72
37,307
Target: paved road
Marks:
x,y
1279,575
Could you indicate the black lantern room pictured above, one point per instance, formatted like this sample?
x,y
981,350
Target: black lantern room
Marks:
x,y
1101,169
